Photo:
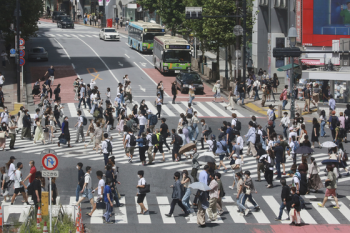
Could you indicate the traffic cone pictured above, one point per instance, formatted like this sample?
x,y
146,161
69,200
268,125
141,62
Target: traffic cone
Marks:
x,y
45,228
38,215
38,224
0,216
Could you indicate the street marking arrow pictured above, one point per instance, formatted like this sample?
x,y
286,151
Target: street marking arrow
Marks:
x,y
143,64
121,64
142,89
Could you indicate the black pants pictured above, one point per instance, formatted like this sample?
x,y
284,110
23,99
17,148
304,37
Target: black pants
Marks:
x,y
174,97
333,133
194,173
142,151
202,142
269,176
173,203
229,145
164,142
159,109
50,91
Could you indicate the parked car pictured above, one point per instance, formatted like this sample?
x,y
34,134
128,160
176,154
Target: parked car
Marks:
x,y
65,21
38,54
56,14
109,34
185,78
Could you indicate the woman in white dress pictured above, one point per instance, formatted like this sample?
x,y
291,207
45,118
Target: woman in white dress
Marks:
x,y
230,101
216,90
39,133
20,119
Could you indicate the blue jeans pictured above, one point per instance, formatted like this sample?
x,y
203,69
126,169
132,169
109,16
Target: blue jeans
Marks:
x,y
77,192
82,100
284,103
190,132
195,130
323,123
142,129
241,206
250,200
278,168
191,99
282,208
186,199
115,196
122,98
88,102
106,158
109,210
256,94
285,132
241,96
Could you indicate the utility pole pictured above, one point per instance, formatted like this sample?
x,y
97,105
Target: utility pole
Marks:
x,y
17,53
244,5
103,20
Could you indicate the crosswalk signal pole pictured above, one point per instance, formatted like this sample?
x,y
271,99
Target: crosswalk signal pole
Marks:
x,y
103,20
17,53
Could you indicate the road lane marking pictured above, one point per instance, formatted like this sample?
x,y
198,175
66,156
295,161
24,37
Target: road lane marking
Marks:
x,y
62,48
127,55
97,76
163,204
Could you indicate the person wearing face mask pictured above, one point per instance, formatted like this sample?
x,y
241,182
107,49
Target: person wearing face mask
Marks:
x,y
19,184
141,196
12,132
4,116
80,180
32,172
3,131
27,123
205,129
65,135
177,194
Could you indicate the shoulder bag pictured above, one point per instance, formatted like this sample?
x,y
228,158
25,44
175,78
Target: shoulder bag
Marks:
x,y
146,189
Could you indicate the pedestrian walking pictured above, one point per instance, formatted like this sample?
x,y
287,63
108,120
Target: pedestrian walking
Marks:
x,y
87,191
221,150
65,135
213,197
203,205
241,90
256,87
142,141
107,148
221,194
82,96
159,103
331,104
27,123
314,181
315,133
141,184
107,198
216,90
230,101
195,164
249,188
295,208
284,97
12,132
152,120
307,97
5,184
174,91
204,132
129,145
90,132
185,182
278,152
36,190
191,92
19,184
39,132
251,139
116,21
176,196
80,180
2,99
101,186
264,94
158,146
80,127
32,172
333,121
286,200
268,160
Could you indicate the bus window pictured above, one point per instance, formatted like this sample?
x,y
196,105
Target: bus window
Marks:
x,y
148,37
177,56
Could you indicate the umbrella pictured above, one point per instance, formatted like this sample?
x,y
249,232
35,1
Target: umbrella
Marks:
x,y
328,144
326,161
187,147
304,150
207,158
200,186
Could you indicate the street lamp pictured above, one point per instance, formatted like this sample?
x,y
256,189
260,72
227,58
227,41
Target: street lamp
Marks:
x,y
292,35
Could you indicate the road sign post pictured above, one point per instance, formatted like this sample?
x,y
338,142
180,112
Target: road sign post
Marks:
x,y
50,162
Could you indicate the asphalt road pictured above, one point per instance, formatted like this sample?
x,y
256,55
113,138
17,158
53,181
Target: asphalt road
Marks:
x,y
110,61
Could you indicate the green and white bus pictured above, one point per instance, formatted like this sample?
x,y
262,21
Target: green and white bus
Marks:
x,y
141,35
171,54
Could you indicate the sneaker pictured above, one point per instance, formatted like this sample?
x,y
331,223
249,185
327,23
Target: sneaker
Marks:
x,y
246,212
242,214
168,215
230,187
277,219
312,147
225,171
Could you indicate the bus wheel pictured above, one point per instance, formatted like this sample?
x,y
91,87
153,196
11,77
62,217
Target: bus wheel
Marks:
x,y
154,62
131,44
139,49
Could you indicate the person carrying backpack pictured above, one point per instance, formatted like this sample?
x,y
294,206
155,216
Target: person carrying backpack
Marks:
x,y
150,146
332,121
107,148
129,144
177,143
251,139
152,120
158,146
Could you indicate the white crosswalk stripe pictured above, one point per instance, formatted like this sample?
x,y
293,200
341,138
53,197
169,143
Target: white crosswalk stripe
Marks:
x,y
160,205
204,109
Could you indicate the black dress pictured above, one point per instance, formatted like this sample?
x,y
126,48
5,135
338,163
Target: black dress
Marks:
x,y
313,137
66,131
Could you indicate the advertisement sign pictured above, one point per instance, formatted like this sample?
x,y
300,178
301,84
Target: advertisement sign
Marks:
x,y
298,19
324,21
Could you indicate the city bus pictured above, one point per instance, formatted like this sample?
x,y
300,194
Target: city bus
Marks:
x,y
141,35
171,54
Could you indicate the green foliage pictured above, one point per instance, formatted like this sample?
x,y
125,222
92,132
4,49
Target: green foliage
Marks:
x,y
28,21
66,225
150,5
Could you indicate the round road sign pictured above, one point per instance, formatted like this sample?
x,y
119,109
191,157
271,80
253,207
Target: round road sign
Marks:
x,y
13,51
49,162
21,42
22,61
21,53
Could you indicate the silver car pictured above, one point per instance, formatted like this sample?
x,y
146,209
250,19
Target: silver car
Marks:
x,y
38,54
109,34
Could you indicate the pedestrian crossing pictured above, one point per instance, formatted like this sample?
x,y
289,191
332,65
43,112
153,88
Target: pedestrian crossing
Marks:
x,y
204,109
159,205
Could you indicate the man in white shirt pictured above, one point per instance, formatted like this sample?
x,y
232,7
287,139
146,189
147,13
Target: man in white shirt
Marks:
x,y
256,87
100,187
82,96
142,123
5,116
270,114
80,127
117,103
19,184
104,149
292,132
11,171
129,145
87,191
150,146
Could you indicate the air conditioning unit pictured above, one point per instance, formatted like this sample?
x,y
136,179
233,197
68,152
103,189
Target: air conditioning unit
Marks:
x,y
263,2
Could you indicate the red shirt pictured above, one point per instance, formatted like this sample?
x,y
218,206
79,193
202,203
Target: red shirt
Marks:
x,y
32,177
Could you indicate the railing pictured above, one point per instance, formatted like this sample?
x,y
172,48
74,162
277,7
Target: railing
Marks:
x,y
31,216
59,218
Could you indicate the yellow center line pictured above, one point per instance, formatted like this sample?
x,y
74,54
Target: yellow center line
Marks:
x,y
94,73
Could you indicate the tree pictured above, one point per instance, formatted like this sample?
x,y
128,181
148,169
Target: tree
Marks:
x,y
172,13
150,5
30,12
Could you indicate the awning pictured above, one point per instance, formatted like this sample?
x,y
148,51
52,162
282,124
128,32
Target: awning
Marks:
x,y
287,67
312,62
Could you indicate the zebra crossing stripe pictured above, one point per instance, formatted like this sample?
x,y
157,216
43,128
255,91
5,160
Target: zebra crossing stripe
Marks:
x,y
326,215
237,218
167,110
222,112
206,110
120,213
232,111
177,108
81,35
72,109
66,35
51,35
343,209
274,205
163,205
259,215
143,218
88,36
185,103
95,36
151,107
59,35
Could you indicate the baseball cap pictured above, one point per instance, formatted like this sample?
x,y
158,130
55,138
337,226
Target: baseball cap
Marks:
x,y
291,128
12,157
148,110
19,164
118,94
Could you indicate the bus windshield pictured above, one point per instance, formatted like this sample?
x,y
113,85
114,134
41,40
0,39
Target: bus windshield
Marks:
x,y
172,56
148,37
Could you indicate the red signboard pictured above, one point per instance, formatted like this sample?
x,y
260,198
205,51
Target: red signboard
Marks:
x,y
298,19
324,21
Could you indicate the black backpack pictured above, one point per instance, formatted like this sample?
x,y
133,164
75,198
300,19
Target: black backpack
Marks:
x,y
238,126
109,146
84,120
132,140
341,133
334,121
154,139
178,140
215,146
257,138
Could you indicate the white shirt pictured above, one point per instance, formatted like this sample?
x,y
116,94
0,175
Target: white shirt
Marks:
x,y
101,183
92,84
260,132
256,83
159,102
291,145
18,179
238,162
104,146
293,134
108,95
80,121
88,181
296,181
128,139
1,79
210,144
142,120
149,139
11,171
240,141
141,181
93,98
4,117
233,122
285,121
270,114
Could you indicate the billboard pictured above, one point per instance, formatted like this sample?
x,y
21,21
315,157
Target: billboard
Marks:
x,y
324,21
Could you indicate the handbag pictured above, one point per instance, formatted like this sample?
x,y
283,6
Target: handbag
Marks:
x,y
2,135
146,189
248,191
46,130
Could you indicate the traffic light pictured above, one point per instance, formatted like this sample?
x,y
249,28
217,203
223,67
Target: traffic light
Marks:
x,y
286,52
194,13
